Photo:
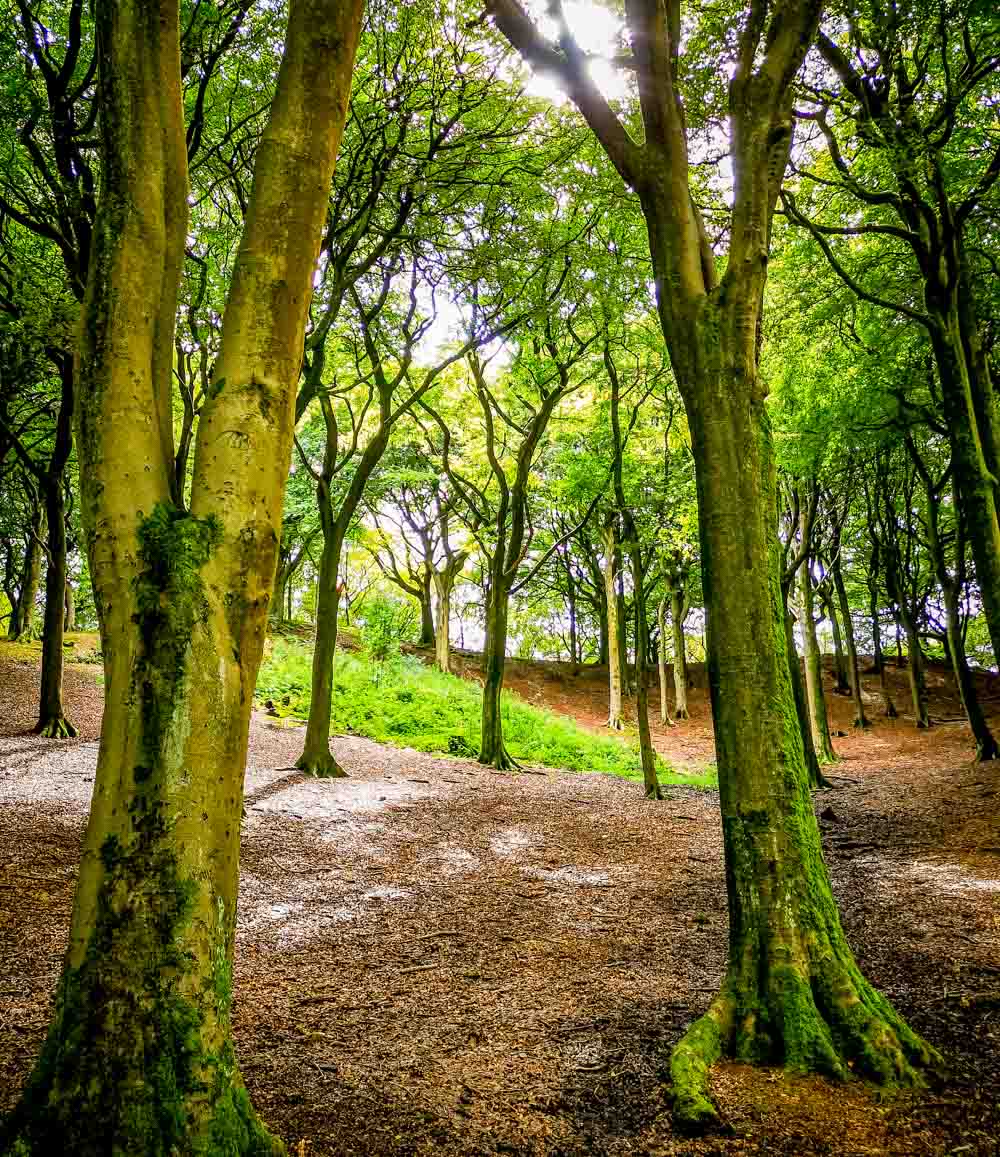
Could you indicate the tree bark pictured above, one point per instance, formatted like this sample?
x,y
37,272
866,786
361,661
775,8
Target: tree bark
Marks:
x,y
818,720
661,614
616,718
842,685
650,783
813,771
139,1058
69,623
853,666
426,610
52,721
792,992
492,748
22,617
678,613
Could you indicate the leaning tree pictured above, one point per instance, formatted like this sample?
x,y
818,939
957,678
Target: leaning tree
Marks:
x,y
792,991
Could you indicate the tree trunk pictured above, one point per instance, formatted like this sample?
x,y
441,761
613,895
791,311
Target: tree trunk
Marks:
x,y
616,720
69,623
603,653
842,685
853,666
915,668
792,992
574,641
426,610
986,744
815,698
317,758
976,482
878,655
677,617
444,584
139,1057
52,721
22,618
651,785
813,771
661,614
492,749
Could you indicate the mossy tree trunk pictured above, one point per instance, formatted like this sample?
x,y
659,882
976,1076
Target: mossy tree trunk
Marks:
x,y
792,992
139,1056
492,748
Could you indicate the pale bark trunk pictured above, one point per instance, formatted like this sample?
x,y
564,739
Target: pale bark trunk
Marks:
x,y
677,617
661,614
842,685
69,623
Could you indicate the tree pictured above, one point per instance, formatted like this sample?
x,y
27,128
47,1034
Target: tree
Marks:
x,y
902,117
139,1057
792,990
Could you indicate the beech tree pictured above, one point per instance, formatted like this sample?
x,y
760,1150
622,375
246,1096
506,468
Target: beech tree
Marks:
x,y
139,1057
792,990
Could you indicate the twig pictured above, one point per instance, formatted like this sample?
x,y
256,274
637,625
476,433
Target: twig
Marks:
x,y
418,968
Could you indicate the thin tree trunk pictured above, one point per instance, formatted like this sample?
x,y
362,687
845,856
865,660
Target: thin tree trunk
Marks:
x,y
444,584
426,610
818,720
52,721
661,615
853,666
492,748
651,785
22,623
616,719
842,685
878,655
317,758
69,622
813,771
677,616
986,744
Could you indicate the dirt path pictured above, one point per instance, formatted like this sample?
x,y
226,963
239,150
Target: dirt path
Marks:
x,y
436,959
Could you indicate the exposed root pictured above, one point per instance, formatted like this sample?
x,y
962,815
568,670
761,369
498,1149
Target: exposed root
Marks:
x,y
832,1023
682,713
56,727
321,766
501,760
861,722
654,791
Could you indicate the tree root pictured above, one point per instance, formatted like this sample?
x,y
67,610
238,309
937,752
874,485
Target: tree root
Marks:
x,y
683,713
830,1022
320,766
501,760
56,727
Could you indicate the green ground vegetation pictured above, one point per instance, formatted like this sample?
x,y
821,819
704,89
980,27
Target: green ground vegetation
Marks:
x,y
413,705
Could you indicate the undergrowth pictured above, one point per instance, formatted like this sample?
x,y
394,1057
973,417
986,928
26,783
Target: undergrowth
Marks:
x,y
417,706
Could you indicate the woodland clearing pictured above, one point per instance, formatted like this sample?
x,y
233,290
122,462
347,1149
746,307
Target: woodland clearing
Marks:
x,y
434,957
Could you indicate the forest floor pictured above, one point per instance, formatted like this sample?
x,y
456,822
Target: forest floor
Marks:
x,y
436,959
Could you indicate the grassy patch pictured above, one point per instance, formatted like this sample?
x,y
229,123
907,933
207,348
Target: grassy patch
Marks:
x,y
416,706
